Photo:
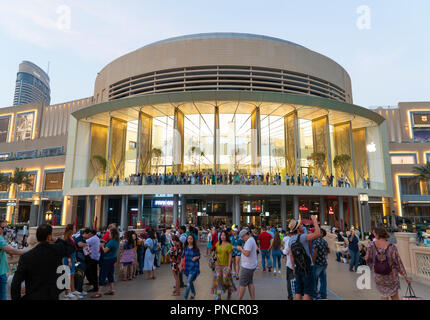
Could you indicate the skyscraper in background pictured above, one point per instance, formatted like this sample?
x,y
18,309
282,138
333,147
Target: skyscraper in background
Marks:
x,y
32,85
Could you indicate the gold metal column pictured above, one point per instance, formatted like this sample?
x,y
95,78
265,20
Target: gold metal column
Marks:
x,y
256,141
321,142
117,146
98,154
144,144
178,142
360,156
292,143
343,146
216,141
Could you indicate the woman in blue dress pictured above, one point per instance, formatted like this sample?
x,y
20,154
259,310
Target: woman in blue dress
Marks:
x,y
236,241
151,245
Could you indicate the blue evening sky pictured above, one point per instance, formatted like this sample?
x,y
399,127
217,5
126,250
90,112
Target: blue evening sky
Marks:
x,y
388,63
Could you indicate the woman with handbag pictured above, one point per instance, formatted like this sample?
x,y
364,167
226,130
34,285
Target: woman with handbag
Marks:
x,y
384,260
223,280
175,253
151,245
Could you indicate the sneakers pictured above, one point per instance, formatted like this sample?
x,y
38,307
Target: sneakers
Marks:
x,y
77,293
70,296
279,271
274,271
270,269
264,270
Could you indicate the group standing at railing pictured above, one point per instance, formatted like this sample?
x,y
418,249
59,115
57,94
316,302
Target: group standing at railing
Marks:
x,y
209,178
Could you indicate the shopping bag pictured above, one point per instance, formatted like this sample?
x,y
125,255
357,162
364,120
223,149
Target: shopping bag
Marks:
x,y
293,287
410,294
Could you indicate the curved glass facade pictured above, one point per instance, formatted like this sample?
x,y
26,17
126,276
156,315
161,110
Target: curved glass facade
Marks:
x,y
304,143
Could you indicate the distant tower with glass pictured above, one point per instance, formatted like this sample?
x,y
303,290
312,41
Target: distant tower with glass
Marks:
x,y
32,85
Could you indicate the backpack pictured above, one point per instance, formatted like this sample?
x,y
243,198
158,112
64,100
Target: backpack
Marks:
x,y
382,264
301,259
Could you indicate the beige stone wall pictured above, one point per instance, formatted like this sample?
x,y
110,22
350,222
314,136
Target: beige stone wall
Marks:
x,y
221,51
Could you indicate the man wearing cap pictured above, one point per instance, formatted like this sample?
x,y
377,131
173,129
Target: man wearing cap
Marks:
x,y
249,263
304,278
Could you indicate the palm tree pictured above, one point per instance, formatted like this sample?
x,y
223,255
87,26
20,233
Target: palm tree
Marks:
x,y
157,155
423,172
320,162
20,178
4,181
342,162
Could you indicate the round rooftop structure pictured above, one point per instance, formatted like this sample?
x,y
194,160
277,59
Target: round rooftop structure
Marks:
x,y
223,61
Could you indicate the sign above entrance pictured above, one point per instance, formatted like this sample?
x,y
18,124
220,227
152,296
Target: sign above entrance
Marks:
x,y
11,204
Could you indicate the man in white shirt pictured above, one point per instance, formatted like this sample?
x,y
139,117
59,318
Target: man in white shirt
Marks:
x,y
249,263
290,271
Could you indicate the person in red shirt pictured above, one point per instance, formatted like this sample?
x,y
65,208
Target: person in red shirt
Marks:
x,y
106,236
215,237
265,240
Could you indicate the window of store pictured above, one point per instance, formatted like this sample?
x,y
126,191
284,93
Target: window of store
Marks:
x,y
54,181
409,186
404,159
4,129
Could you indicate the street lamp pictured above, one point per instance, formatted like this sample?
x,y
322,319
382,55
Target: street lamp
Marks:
x,y
364,199
48,215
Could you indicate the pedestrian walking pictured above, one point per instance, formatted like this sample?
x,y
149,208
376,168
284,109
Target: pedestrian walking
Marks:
x,y
276,252
223,281
249,263
107,267
191,254
236,241
301,258
384,260
265,242
319,258
128,256
353,251
290,269
175,254
151,245
5,248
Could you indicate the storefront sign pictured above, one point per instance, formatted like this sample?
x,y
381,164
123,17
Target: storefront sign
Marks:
x,y
163,203
11,204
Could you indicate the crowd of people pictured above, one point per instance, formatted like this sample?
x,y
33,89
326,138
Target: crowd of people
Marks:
x,y
233,257
210,178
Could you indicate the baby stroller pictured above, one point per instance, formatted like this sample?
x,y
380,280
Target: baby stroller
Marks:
x,y
79,277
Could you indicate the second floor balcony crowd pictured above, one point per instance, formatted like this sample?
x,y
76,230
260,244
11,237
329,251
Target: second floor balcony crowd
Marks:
x,y
209,178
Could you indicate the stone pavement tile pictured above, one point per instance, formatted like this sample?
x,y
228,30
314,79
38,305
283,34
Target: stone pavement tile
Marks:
x,y
341,285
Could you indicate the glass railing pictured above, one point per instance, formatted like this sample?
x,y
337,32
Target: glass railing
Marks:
x,y
32,157
226,180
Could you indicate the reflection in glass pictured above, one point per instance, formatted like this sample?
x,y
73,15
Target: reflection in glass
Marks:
x,y
199,142
4,129
306,146
130,148
162,145
235,143
273,144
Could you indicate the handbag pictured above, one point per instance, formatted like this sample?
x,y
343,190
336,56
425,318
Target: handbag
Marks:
x,y
212,261
410,294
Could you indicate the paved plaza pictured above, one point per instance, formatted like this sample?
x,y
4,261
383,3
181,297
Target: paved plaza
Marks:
x,y
341,285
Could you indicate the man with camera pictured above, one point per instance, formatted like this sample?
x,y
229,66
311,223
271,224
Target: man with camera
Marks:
x,y
301,259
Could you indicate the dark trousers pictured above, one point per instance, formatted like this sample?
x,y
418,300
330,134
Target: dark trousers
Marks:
x,y
290,276
181,279
91,273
